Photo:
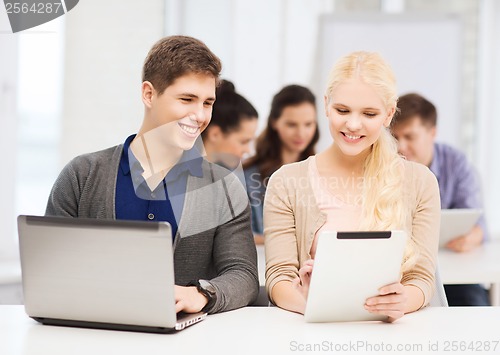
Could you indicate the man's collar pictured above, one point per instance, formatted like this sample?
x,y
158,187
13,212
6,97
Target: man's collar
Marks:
x,y
191,161
124,162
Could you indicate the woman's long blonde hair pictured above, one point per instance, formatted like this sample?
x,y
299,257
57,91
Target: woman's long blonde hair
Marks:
x,y
384,206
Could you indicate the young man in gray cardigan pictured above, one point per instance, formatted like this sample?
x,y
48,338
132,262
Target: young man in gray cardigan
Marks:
x,y
160,175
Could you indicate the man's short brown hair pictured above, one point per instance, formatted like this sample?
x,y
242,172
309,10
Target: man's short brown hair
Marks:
x,y
175,56
412,105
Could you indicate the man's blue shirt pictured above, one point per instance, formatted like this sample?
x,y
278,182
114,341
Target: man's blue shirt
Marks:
x,y
136,201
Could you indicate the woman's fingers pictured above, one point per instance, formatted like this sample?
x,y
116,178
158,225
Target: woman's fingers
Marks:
x,y
390,302
391,288
301,283
305,271
387,299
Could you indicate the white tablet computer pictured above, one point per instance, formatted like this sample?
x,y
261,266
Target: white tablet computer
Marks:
x,y
350,267
457,222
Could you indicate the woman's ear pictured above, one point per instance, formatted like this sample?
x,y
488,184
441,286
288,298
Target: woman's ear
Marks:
x,y
214,133
390,116
327,104
274,123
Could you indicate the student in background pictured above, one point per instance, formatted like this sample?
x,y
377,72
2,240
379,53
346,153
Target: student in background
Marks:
x,y
290,136
415,129
159,174
232,129
359,183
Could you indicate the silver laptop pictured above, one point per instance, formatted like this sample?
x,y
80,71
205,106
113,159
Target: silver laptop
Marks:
x,y
100,274
350,267
456,222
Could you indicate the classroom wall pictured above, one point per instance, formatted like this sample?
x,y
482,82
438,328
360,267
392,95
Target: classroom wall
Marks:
x,y
106,43
488,95
8,142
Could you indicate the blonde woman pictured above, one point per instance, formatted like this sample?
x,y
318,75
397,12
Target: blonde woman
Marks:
x,y
358,183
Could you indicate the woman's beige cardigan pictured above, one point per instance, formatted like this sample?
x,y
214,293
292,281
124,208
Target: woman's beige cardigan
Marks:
x,y
292,218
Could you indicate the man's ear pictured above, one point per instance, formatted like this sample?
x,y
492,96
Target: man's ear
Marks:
x,y
148,92
433,131
390,116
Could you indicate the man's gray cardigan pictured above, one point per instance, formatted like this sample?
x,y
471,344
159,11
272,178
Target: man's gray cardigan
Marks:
x,y
214,240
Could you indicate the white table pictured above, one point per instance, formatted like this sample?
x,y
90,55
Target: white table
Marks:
x,y
481,265
10,282
262,330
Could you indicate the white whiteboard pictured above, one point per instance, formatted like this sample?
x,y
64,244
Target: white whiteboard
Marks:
x,y
425,52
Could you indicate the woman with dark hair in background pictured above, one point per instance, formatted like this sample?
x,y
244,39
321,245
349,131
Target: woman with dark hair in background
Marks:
x,y
290,136
232,128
